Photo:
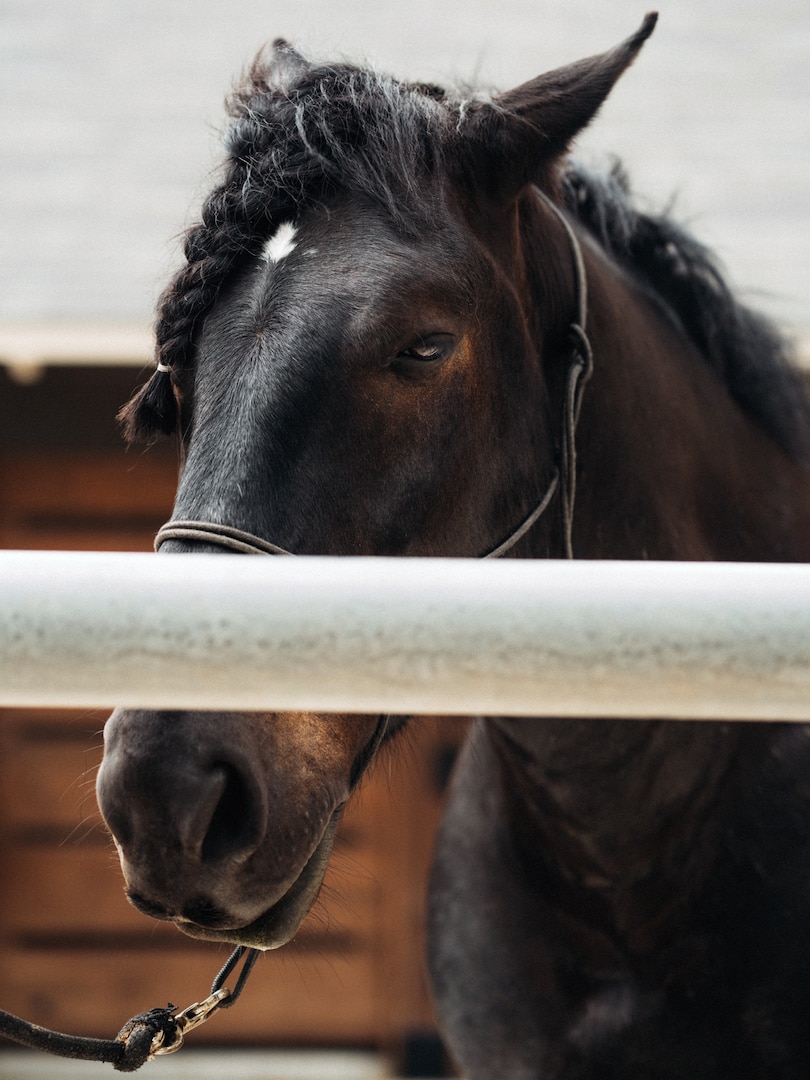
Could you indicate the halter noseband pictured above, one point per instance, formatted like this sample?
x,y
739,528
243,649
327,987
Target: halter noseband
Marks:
x,y
565,478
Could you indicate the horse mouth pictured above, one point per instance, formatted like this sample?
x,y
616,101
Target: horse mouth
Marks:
x,y
279,923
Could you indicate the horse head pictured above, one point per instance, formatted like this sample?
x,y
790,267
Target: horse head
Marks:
x,y
359,356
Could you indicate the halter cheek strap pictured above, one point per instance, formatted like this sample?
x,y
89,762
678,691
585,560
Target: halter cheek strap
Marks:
x,y
565,478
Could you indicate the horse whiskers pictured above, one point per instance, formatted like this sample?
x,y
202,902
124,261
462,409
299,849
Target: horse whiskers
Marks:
x,y
74,837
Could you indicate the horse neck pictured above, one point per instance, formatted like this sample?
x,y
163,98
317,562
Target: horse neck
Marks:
x,y
616,801
669,465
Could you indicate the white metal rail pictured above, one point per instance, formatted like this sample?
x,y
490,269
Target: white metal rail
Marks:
x,y
691,640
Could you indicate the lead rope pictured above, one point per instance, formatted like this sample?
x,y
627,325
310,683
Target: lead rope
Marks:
x,y
145,1036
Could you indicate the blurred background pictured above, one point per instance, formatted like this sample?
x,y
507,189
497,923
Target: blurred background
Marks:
x,y
111,116
109,131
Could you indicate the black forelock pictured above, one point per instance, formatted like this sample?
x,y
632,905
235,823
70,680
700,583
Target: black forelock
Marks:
x,y
331,128
337,126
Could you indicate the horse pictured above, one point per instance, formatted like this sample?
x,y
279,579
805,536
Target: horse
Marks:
x,y
410,324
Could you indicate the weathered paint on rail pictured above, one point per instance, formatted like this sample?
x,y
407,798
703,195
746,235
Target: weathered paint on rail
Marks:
x,y
516,637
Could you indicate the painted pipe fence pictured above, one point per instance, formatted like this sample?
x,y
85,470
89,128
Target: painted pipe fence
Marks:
x,y
509,637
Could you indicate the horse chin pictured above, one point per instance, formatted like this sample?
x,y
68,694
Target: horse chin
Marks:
x,y
279,923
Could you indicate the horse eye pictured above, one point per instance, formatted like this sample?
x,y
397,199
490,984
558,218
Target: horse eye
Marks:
x,y
428,349
424,352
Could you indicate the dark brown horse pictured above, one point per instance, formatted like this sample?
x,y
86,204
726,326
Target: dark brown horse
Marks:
x,y
377,347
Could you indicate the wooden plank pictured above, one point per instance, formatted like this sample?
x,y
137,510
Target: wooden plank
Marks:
x,y
415,783
81,483
294,995
83,501
48,765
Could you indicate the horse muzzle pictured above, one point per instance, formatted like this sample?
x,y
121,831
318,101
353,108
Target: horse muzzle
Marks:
x,y
224,823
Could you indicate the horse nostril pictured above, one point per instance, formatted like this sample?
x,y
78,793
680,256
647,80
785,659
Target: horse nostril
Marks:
x,y
235,827
179,799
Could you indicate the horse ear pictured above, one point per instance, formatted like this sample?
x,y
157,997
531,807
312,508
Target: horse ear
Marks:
x,y
524,130
278,66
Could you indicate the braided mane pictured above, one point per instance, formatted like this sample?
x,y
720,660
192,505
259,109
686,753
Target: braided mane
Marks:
x,y
291,144
335,126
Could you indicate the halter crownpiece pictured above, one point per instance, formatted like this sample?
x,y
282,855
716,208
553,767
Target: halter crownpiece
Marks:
x,y
564,478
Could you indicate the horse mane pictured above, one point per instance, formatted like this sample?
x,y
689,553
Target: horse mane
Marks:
x,y
744,349
334,126
289,144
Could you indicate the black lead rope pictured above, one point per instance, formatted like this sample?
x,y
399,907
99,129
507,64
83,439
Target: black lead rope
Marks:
x,y
145,1036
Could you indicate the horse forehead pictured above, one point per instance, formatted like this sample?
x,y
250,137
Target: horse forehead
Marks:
x,y
350,233
348,269
326,275
340,241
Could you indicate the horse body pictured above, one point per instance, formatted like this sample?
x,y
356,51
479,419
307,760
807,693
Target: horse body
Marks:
x,y
374,360
613,900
